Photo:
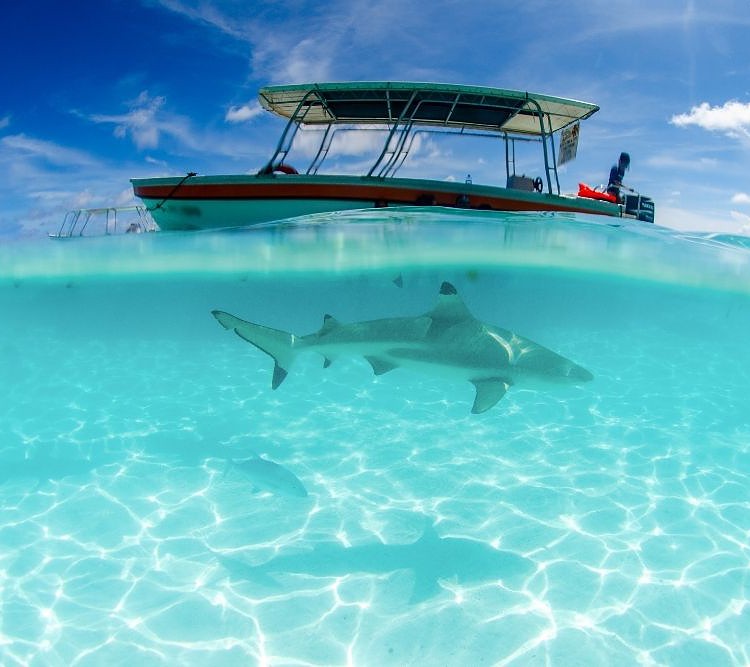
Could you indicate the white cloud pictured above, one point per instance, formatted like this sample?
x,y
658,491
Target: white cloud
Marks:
x,y
312,41
741,198
125,198
683,219
743,220
148,123
157,163
732,118
295,63
4,122
682,162
140,122
47,150
43,179
358,142
243,113
207,14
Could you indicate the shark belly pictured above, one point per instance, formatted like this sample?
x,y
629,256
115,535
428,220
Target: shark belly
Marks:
x,y
447,366
490,380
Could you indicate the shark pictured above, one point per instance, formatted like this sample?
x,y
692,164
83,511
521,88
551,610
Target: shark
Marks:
x,y
447,341
431,559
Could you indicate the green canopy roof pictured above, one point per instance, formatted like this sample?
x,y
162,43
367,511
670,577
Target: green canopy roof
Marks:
x,y
454,106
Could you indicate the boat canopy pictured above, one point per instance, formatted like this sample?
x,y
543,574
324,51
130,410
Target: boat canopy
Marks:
x,y
446,105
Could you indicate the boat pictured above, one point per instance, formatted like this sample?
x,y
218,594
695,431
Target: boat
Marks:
x,y
399,114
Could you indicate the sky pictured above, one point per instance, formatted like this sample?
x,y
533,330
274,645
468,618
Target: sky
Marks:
x,y
95,92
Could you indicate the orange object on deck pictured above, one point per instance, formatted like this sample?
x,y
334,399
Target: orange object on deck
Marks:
x,y
585,191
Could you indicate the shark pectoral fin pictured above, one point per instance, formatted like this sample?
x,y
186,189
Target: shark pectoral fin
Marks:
x,y
380,366
328,359
489,392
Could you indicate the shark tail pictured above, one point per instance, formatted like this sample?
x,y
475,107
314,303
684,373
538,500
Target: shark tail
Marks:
x,y
279,345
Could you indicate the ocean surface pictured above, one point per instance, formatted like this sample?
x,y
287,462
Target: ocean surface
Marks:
x,y
161,504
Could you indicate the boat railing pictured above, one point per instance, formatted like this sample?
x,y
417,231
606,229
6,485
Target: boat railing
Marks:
x,y
105,222
398,148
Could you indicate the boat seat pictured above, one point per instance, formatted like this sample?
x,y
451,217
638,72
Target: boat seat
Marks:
x,y
525,183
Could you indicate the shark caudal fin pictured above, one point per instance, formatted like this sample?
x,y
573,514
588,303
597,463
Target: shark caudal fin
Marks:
x,y
279,345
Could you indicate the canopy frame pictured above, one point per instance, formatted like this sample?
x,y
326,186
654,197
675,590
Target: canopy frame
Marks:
x,y
404,109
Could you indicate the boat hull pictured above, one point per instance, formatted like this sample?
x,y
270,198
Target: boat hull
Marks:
x,y
210,202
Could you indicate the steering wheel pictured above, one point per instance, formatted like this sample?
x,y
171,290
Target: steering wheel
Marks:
x,y
538,184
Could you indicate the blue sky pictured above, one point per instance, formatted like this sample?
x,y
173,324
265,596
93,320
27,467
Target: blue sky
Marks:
x,y
93,93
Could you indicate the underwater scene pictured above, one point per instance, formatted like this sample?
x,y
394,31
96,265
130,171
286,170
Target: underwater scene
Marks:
x,y
391,437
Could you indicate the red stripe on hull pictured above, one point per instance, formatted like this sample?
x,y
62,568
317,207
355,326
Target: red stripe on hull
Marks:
x,y
372,194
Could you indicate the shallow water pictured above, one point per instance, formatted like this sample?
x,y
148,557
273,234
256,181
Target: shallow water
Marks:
x,y
600,524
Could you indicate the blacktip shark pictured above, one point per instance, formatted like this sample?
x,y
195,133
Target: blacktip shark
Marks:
x,y
447,341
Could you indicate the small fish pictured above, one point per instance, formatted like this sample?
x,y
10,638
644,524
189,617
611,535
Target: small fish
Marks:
x,y
265,475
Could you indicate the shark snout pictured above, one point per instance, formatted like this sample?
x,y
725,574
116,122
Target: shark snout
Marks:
x,y
579,374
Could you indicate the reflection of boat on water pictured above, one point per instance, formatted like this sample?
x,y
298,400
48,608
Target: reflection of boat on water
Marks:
x,y
107,221
399,113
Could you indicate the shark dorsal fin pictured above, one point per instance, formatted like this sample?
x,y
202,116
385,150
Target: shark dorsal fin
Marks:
x,y
450,306
329,324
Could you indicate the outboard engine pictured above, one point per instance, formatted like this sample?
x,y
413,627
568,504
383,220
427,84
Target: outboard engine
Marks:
x,y
639,206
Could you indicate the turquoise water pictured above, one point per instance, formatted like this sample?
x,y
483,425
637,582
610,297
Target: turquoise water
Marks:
x,y
600,524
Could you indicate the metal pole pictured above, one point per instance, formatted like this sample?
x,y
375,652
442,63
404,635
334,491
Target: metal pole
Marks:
x,y
390,135
540,114
293,121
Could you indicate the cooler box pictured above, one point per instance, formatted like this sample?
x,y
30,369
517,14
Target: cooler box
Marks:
x,y
524,183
